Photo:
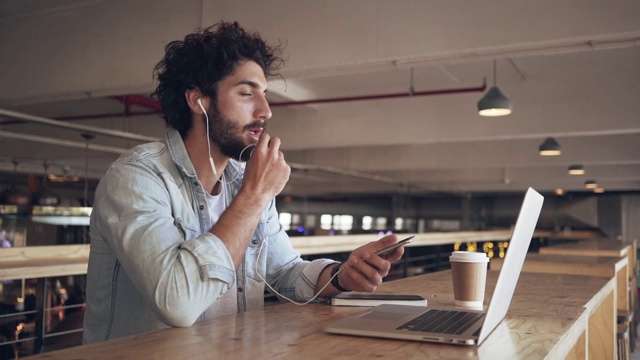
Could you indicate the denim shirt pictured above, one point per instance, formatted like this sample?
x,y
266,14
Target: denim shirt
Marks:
x,y
153,262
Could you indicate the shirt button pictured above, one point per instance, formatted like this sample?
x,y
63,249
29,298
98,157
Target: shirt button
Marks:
x,y
195,183
254,242
201,207
239,289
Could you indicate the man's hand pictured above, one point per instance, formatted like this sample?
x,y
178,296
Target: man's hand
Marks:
x,y
264,178
267,172
365,270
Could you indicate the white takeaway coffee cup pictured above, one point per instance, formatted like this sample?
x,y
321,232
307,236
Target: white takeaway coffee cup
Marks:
x,y
469,273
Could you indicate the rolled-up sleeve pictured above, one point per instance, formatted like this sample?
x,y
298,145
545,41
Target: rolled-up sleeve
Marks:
x,y
286,271
178,278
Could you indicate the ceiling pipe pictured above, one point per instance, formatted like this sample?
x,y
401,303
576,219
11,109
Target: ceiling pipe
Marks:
x,y
129,101
620,41
118,150
155,108
82,128
383,96
138,100
61,142
105,116
349,173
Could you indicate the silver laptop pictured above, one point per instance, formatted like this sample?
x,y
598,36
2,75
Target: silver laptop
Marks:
x,y
454,325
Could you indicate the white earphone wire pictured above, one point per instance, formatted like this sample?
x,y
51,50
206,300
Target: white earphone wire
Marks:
x,y
213,166
264,240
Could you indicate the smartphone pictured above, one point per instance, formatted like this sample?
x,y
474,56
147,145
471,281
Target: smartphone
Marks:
x,y
389,249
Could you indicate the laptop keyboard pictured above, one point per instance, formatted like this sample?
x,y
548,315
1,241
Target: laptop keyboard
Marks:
x,y
442,321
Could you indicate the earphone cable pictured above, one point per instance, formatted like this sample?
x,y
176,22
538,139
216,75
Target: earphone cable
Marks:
x,y
264,240
264,236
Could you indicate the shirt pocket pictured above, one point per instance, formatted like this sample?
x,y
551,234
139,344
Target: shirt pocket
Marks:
x,y
259,237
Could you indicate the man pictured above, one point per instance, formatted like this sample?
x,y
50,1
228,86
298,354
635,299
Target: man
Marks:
x,y
180,232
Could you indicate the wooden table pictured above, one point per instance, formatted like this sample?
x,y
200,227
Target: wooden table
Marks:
x,y
604,266
551,316
598,248
311,245
626,289
60,260
43,261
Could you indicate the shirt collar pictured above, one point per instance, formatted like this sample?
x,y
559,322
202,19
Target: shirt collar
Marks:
x,y
175,144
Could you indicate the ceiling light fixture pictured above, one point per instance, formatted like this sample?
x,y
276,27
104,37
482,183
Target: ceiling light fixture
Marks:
x,y
598,190
549,147
576,170
494,103
590,184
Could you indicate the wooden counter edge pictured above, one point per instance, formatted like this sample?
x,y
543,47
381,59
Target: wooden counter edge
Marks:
x,y
574,342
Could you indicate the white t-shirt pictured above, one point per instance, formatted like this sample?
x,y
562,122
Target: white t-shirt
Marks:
x,y
227,304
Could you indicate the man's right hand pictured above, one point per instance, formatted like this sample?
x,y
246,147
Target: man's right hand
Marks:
x,y
267,172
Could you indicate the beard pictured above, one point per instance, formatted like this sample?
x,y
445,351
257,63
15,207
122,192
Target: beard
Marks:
x,y
228,136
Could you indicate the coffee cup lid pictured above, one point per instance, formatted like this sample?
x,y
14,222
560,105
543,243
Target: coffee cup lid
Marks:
x,y
468,256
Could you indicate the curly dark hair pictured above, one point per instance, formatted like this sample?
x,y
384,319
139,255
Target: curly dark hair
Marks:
x,y
201,61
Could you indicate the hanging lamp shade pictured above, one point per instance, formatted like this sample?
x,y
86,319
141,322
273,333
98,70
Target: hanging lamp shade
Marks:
x,y
494,102
590,184
549,147
576,170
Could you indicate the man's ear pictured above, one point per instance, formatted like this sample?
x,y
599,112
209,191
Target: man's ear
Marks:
x,y
192,96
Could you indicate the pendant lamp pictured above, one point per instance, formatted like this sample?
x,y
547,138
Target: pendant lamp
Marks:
x,y
494,103
576,170
549,147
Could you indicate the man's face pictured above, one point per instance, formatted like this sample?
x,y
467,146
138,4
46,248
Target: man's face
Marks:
x,y
241,112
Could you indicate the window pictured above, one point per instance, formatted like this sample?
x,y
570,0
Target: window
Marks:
x,y
367,221
325,221
310,221
295,220
285,220
343,222
398,223
381,223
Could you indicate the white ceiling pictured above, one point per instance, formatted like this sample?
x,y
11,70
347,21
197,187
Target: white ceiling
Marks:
x,y
571,68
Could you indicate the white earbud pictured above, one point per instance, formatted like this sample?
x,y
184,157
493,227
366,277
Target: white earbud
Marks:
x,y
213,166
199,101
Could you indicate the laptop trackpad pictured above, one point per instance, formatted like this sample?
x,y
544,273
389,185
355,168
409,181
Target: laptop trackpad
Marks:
x,y
381,316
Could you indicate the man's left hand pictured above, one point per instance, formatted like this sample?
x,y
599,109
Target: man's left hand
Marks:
x,y
365,270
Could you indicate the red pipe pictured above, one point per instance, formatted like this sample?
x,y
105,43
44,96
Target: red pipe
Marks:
x,y
383,96
155,108
139,100
130,100
102,116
